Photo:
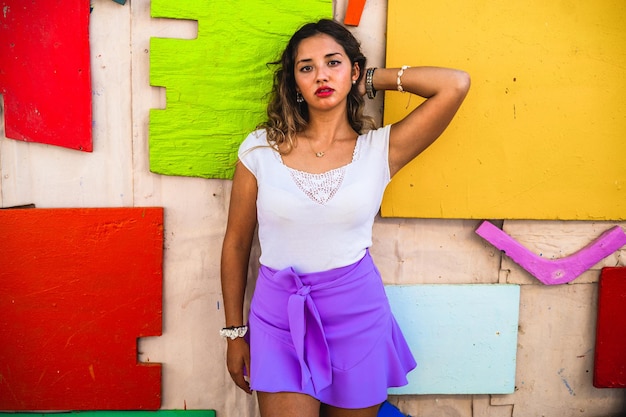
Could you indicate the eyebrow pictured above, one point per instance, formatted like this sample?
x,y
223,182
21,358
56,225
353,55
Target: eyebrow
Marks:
x,y
325,56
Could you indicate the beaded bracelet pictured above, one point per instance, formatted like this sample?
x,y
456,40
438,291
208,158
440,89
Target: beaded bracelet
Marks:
x,y
399,79
234,332
369,85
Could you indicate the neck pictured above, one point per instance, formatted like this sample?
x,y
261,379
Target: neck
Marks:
x,y
326,128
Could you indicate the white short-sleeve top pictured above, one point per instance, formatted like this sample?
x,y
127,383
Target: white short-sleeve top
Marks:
x,y
317,222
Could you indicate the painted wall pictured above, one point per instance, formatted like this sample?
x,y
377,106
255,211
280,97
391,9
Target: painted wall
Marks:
x,y
545,118
557,324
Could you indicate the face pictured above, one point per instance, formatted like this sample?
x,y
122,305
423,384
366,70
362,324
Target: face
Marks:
x,y
323,72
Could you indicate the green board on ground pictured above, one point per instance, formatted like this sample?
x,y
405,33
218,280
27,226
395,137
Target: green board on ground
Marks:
x,y
158,413
217,84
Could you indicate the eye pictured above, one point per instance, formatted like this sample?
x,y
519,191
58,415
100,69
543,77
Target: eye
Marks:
x,y
305,68
333,62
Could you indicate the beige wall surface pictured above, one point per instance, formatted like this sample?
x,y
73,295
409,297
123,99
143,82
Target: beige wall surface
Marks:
x,y
557,324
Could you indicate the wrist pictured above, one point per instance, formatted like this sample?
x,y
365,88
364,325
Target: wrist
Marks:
x,y
386,79
369,83
399,78
234,332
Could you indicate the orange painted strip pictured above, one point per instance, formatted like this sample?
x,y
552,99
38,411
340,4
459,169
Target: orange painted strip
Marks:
x,y
354,12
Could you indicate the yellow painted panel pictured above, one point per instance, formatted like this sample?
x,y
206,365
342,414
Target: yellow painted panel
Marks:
x,y
542,133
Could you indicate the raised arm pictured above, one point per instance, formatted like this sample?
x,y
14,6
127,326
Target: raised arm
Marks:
x,y
236,248
444,90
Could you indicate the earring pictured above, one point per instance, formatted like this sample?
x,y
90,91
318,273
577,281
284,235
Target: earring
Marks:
x,y
299,97
353,82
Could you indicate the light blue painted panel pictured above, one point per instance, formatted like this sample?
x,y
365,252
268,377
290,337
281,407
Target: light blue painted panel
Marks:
x,y
464,337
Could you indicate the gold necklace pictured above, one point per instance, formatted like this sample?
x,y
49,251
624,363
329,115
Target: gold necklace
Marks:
x,y
320,154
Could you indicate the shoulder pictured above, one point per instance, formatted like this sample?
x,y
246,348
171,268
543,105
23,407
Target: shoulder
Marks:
x,y
255,151
373,151
254,139
377,138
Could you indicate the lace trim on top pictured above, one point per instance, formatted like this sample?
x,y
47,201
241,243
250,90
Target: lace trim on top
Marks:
x,y
321,188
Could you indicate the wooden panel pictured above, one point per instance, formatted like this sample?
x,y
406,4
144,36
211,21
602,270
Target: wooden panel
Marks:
x,y
45,72
540,135
77,288
158,413
216,93
555,271
555,355
554,240
464,337
354,12
610,353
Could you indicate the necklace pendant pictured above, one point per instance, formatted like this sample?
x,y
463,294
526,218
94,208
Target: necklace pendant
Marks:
x,y
319,154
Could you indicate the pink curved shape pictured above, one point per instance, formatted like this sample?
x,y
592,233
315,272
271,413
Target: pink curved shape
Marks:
x,y
554,271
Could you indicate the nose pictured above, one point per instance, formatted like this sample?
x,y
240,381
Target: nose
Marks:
x,y
322,74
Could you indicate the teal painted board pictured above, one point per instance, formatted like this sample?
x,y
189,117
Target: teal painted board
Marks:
x,y
217,85
464,337
158,413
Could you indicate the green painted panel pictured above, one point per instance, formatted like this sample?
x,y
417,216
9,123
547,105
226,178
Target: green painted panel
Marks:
x,y
216,85
159,413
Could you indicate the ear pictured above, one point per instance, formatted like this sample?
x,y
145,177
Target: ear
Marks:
x,y
356,71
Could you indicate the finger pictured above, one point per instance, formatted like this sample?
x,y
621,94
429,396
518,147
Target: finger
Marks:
x,y
248,373
241,382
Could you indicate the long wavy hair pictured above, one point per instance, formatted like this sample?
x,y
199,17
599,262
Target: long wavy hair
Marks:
x,y
285,116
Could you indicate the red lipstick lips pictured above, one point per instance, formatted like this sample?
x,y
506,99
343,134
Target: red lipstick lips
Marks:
x,y
324,91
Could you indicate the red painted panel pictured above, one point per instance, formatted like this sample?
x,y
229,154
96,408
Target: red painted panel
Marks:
x,y
77,288
44,72
610,354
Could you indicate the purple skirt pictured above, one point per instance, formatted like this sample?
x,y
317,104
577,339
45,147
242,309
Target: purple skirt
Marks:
x,y
330,335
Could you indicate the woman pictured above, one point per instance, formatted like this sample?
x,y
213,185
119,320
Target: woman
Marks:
x,y
322,339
